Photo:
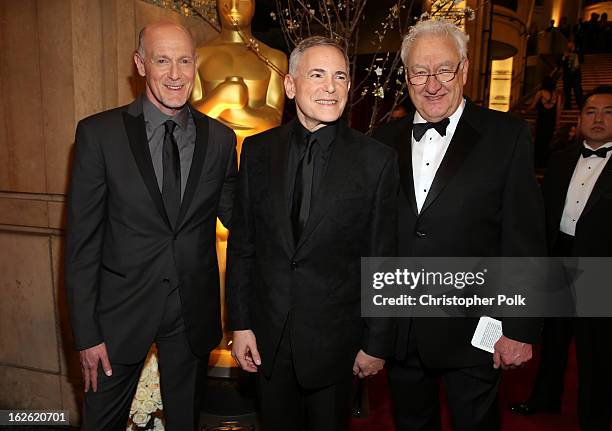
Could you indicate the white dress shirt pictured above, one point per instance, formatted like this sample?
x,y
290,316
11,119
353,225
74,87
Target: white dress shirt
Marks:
x,y
427,154
581,185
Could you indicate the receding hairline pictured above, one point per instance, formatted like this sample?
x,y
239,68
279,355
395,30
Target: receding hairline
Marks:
x,y
421,37
435,29
142,35
338,50
312,42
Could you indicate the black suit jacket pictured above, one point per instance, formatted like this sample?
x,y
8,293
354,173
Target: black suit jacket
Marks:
x,y
317,280
484,201
122,255
593,237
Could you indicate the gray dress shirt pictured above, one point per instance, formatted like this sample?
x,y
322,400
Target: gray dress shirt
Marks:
x,y
184,134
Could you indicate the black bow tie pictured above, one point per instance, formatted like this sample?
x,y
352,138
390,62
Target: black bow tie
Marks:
x,y
419,129
600,152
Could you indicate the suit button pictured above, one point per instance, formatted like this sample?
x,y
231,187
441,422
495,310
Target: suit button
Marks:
x,y
293,265
421,234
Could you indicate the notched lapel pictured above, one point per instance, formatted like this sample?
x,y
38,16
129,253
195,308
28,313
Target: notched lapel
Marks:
x,y
197,162
279,181
137,136
464,139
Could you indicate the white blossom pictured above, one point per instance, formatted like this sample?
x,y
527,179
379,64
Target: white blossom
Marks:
x,y
147,399
141,419
158,425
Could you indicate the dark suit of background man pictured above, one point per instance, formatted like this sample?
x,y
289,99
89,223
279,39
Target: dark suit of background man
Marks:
x,y
468,189
578,198
313,196
148,182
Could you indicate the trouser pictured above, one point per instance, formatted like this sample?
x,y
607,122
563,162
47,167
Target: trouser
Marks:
x,y
181,378
594,355
572,82
557,336
471,394
286,405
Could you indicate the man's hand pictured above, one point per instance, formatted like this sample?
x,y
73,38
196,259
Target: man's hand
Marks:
x,y
366,365
510,353
89,365
244,350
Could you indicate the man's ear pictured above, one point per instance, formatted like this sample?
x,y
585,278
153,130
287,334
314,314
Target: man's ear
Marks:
x,y
466,67
289,86
139,61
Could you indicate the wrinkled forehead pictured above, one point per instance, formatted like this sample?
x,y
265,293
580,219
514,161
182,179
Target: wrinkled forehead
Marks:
x,y
323,57
433,51
168,39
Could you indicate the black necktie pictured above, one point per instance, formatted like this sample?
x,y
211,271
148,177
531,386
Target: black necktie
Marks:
x,y
171,185
600,152
302,191
419,129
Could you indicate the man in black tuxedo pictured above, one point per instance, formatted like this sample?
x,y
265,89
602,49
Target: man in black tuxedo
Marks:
x,y
468,189
313,196
148,182
578,199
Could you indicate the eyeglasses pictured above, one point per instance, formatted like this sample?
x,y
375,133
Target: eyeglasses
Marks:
x,y
441,77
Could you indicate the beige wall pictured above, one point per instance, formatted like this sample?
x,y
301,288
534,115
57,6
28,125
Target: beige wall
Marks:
x,y
60,60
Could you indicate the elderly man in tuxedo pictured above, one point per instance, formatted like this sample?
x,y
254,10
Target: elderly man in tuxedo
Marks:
x,y
313,196
148,182
467,189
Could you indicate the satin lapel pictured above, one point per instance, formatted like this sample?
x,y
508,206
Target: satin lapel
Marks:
x,y
603,183
404,153
334,178
566,170
279,182
137,136
197,162
464,139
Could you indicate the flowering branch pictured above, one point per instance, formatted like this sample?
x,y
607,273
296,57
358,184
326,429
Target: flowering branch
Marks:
x,y
206,10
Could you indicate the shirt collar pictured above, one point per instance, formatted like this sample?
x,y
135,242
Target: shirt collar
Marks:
x,y
606,145
155,118
454,118
325,135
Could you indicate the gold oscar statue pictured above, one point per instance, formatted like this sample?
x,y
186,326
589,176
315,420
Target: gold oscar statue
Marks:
x,y
240,83
240,79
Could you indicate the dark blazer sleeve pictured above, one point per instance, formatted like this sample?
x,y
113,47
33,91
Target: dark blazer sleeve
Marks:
x,y
379,335
523,227
85,232
226,201
240,250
